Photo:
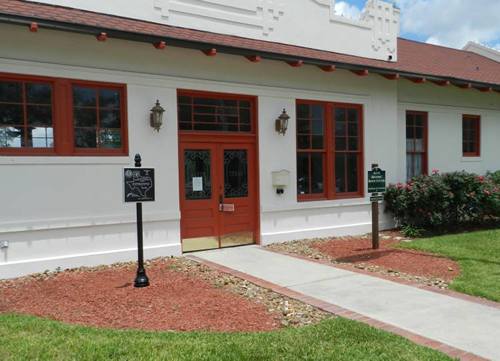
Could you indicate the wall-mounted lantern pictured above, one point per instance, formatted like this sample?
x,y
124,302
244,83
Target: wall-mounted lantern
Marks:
x,y
156,117
282,122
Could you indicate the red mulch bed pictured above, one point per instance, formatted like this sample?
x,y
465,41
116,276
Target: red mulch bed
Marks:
x,y
106,298
359,251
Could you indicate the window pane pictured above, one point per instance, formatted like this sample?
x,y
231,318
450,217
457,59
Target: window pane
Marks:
x,y
109,98
184,100
110,138
340,176
419,120
204,110
318,112
303,173
110,118
11,114
317,173
353,129
352,173
303,126
11,92
410,145
185,113
353,143
11,137
85,117
317,142
235,174
85,138
39,93
410,120
83,96
340,143
352,115
245,116
340,129
340,115
419,132
41,137
198,182
410,132
39,115
303,142
317,126
244,104
302,111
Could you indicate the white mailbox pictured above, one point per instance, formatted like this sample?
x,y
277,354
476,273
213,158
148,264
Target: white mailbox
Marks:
x,y
281,180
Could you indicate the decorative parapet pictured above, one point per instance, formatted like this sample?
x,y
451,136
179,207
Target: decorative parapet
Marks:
x,y
307,23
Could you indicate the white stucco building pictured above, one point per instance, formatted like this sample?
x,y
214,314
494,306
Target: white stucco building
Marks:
x,y
78,80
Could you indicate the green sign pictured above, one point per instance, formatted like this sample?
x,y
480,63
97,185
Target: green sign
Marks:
x,y
377,198
376,181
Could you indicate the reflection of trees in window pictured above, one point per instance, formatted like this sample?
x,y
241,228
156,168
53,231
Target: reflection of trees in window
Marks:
x,y
26,115
97,117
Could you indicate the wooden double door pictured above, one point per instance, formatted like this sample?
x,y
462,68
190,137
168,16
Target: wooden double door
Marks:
x,y
218,194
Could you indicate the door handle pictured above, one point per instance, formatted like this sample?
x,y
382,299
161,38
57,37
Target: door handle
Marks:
x,y
221,203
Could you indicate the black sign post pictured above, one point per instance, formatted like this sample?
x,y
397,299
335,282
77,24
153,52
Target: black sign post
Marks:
x,y
376,185
139,187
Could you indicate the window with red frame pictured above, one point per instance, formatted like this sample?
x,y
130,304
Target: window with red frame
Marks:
x,y
26,115
97,117
56,116
416,144
471,136
329,150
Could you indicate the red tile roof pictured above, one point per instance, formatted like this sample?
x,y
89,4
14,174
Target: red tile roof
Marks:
x,y
413,57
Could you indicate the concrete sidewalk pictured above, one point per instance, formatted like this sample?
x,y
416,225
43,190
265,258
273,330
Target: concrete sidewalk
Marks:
x,y
464,325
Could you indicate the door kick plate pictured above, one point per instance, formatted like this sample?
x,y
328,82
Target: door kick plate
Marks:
x,y
226,207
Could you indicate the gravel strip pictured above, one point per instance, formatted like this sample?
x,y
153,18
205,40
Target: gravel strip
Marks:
x,y
307,248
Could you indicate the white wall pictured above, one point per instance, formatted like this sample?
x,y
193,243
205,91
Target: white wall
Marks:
x,y
68,211
307,23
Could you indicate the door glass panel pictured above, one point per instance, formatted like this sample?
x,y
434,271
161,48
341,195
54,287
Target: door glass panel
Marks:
x,y
198,181
235,173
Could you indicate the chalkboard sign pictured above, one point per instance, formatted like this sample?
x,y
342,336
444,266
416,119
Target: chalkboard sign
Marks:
x,y
139,184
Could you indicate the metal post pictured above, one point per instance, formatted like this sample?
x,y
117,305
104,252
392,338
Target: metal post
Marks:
x,y
375,236
141,279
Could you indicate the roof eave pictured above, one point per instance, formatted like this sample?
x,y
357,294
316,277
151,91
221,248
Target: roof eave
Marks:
x,y
198,45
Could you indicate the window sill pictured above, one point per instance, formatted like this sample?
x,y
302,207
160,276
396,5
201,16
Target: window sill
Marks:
x,y
59,160
319,204
472,159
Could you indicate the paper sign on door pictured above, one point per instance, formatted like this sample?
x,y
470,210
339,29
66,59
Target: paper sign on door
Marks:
x,y
197,184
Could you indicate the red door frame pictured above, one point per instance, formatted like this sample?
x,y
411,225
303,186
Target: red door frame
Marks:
x,y
229,138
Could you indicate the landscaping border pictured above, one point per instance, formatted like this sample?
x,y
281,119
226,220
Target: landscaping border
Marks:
x,y
342,312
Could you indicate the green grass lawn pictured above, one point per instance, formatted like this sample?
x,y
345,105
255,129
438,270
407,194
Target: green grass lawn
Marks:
x,y
478,254
29,338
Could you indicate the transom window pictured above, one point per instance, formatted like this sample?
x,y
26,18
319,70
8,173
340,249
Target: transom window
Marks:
x,y
206,112
55,116
26,115
471,136
416,144
329,150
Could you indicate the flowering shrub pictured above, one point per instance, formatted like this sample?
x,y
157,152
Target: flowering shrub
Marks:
x,y
444,201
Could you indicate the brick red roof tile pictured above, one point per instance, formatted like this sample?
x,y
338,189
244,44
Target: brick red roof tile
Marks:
x,y
413,57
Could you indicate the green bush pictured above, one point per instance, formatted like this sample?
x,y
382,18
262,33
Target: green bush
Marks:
x,y
444,201
494,177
